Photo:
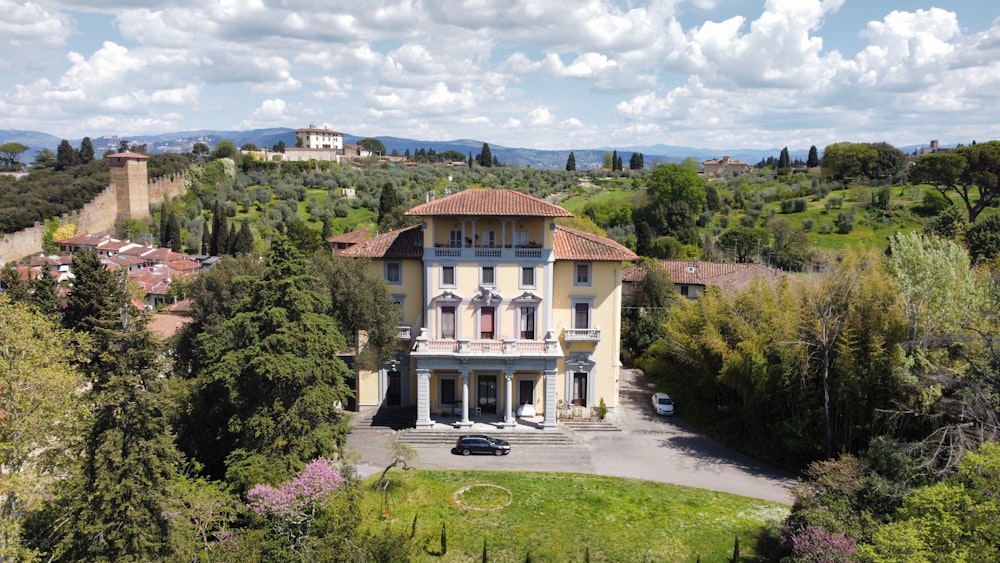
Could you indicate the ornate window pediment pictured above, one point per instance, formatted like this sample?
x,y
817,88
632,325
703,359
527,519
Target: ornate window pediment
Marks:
x,y
527,298
447,297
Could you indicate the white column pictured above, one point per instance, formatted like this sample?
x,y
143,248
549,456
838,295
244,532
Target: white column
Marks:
x,y
550,400
547,294
424,399
465,398
508,398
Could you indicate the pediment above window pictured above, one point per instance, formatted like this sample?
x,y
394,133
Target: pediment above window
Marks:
x,y
527,298
448,297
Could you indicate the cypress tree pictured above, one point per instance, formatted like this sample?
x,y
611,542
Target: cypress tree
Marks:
x,y
813,160
486,157
231,239
86,151
66,156
614,160
206,238
571,162
174,232
444,539
388,201
164,235
45,291
784,160
243,243
496,161
470,159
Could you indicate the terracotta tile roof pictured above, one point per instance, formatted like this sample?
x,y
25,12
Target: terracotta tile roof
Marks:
x,y
167,325
86,240
498,203
352,237
184,265
402,243
695,272
571,244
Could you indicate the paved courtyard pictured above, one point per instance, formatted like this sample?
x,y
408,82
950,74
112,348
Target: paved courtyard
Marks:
x,y
649,447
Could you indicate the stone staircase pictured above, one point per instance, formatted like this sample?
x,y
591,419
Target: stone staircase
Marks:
x,y
589,425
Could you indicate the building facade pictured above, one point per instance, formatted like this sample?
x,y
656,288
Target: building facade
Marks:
x,y
726,167
503,312
313,137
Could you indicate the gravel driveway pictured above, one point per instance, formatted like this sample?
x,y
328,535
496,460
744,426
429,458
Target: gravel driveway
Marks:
x,y
650,447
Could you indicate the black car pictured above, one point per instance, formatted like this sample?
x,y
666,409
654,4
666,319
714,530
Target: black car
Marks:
x,y
481,444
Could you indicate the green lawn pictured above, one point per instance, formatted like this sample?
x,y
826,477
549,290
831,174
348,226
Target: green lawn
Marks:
x,y
559,516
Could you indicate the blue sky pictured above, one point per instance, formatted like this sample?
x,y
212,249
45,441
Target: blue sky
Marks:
x,y
550,74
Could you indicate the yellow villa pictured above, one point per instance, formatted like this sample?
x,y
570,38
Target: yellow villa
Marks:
x,y
504,312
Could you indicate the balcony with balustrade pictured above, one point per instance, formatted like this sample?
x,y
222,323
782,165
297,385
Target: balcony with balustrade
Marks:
x,y
469,347
582,335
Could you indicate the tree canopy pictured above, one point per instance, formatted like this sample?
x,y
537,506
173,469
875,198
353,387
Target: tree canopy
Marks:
x,y
972,172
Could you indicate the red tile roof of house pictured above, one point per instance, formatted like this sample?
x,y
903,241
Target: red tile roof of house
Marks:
x,y
571,244
695,272
352,237
495,202
401,243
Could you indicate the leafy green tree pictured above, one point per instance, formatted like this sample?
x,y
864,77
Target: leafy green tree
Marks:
x,y
972,172
374,146
303,237
225,149
889,163
675,196
812,161
200,149
983,239
362,306
40,404
485,156
86,151
44,159
279,147
789,248
10,154
845,161
571,162
66,156
121,505
264,403
743,244
16,289
248,147
388,201
647,308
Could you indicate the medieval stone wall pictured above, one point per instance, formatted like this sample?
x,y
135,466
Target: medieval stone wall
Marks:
x,y
97,216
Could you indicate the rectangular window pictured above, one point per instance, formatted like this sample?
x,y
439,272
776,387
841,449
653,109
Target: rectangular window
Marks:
x,y
580,389
447,276
527,328
582,274
488,276
521,238
393,272
489,239
448,391
448,322
581,315
455,239
486,330
528,276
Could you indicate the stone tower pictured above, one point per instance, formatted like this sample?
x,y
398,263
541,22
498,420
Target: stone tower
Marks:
x,y
130,181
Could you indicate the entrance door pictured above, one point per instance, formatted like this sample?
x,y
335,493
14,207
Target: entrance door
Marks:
x,y
526,392
393,394
487,397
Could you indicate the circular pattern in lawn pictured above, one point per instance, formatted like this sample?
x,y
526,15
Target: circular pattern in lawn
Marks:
x,y
484,496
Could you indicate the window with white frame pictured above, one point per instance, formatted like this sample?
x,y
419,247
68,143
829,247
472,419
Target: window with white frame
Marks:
x,y
527,276
488,276
455,238
521,238
393,272
448,276
581,274
526,322
487,323
489,239
448,321
581,314
580,389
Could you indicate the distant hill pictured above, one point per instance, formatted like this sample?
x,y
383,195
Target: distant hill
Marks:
x,y
586,158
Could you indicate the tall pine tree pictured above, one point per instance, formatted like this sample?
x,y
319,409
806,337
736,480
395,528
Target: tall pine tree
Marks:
x,y
86,151
571,162
813,160
486,157
173,232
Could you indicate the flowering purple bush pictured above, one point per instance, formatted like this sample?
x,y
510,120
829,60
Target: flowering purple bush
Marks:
x,y
817,545
292,505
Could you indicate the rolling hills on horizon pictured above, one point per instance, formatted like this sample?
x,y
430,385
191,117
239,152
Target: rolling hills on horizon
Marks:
x,y
586,158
